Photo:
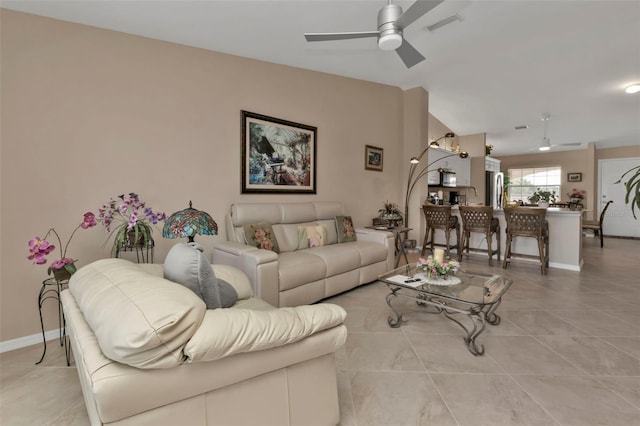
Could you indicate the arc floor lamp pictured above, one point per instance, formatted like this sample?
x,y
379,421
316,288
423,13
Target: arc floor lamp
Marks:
x,y
414,177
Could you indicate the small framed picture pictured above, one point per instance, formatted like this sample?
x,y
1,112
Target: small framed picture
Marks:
x,y
373,157
574,177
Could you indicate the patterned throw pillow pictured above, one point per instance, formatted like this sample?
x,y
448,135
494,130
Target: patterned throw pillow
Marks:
x,y
346,231
311,236
261,235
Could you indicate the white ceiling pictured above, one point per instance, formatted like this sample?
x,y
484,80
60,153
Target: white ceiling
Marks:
x,y
505,64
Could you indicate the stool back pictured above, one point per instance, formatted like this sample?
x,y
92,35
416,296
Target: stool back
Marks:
x,y
477,218
439,217
526,221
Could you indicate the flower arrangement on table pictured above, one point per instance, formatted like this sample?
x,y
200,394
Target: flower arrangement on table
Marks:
x,y
129,221
576,194
40,248
389,215
435,269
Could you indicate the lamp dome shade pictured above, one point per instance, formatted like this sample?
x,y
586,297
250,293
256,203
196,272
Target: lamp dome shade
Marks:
x,y
189,222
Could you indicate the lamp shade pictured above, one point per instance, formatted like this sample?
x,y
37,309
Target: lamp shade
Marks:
x,y
189,222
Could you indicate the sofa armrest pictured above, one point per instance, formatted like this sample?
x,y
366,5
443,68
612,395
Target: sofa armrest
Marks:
x,y
225,332
385,238
260,266
374,235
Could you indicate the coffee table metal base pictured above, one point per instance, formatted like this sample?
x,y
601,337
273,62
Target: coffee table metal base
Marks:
x,y
478,314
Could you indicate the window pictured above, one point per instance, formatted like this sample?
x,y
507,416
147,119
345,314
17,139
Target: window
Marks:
x,y
524,182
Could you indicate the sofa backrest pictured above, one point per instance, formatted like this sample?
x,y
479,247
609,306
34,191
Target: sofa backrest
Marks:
x,y
285,219
138,317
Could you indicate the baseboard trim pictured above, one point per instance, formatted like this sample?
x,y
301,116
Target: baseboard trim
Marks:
x,y
23,342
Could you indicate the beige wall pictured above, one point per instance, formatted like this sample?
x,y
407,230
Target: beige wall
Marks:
x,y
88,114
583,161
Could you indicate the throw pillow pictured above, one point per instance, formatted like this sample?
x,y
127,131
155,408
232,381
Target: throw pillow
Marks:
x,y
185,264
261,235
311,236
344,226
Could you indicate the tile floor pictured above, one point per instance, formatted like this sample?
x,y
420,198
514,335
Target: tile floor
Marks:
x,y
567,352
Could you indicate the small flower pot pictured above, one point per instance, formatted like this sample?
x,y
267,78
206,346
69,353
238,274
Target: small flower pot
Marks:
x,y
64,273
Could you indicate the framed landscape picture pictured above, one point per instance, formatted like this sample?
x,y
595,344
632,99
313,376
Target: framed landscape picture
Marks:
x,y
373,158
278,156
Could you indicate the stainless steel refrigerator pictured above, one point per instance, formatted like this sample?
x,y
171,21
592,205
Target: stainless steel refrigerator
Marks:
x,y
494,189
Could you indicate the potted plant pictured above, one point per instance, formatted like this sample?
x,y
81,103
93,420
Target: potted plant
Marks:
x,y
543,197
575,198
129,221
389,215
632,187
64,267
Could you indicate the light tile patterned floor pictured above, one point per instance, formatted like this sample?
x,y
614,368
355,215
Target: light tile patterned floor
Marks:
x,y
567,352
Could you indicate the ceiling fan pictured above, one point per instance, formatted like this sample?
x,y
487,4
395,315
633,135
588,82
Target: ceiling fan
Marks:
x,y
546,145
391,23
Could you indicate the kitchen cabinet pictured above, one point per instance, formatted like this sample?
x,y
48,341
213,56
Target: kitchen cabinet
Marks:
x,y
450,160
491,164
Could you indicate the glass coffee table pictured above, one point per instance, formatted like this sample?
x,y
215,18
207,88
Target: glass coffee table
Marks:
x,y
476,295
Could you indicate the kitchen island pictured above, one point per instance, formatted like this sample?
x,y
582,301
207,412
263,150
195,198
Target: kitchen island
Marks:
x,y
565,239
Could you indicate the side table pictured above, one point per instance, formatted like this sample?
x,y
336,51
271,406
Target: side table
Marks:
x,y
400,236
51,289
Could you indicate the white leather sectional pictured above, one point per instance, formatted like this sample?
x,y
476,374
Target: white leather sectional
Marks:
x,y
296,276
148,352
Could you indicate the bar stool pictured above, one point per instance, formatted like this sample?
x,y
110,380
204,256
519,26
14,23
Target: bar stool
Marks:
x,y
528,222
439,217
479,219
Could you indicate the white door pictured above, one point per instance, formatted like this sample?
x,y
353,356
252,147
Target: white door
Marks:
x,y
619,220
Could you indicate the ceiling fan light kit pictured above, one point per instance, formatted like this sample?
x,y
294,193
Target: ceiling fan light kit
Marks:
x,y
633,88
545,145
390,41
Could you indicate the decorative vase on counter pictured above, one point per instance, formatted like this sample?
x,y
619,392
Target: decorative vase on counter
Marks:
x,y
543,204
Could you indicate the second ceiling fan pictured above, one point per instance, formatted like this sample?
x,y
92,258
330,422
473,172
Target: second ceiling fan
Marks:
x,y
391,23
546,144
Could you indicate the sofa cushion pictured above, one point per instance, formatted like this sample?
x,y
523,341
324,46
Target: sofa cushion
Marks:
x,y
338,258
224,333
138,318
370,252
261,235
185,264
299,267
345,230
311,236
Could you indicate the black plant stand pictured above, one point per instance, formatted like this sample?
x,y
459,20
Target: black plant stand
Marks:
x,y
51,289
143,251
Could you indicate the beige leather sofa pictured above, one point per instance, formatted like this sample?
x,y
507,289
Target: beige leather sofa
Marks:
x,y
148,351
297,276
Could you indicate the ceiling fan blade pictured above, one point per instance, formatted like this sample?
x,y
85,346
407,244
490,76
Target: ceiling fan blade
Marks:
x,y
340,36
409,55
415,11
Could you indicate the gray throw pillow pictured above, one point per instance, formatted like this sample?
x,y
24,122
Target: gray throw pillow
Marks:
x,y
185,264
